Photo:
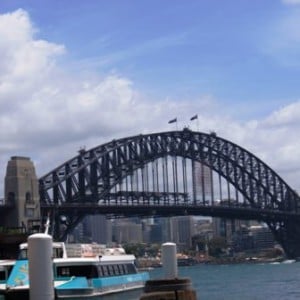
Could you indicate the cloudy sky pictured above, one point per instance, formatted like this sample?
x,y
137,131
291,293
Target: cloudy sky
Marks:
x,y
81,73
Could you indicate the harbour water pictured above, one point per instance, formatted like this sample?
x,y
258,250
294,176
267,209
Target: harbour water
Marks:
x,y
243,281
280,281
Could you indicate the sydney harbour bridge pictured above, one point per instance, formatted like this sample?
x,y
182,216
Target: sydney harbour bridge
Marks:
x,y
161,174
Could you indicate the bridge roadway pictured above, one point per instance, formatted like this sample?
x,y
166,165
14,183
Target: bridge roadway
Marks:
x,y
115,210
150,208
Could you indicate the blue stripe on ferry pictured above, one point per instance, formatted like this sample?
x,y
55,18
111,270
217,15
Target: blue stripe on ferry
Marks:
x,y
117,280
74,283
19,274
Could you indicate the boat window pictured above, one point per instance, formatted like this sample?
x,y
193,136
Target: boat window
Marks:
x,y
130,269
110,270
105,270
5,272
100,271
116,270
120,270
63,271
3,275
57,252
88,271
94,272
125,269
23,254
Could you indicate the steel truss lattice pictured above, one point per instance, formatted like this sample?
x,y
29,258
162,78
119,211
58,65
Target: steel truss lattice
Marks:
x,y
90,177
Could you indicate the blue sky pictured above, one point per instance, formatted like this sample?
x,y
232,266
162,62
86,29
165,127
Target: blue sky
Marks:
x,y
177,49
77,73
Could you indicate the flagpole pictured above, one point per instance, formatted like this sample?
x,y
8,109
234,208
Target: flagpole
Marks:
x,y
195,117
174,121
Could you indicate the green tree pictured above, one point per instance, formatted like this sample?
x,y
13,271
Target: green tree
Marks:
x,y
137,249
198,242
216,246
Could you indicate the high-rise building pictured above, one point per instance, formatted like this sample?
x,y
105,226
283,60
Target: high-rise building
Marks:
x,y
202,182
101,229
126,231
155,235
227,227
182,230
166,234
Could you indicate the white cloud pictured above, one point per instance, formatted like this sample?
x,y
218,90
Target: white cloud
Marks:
x,y
291,2
48,113
281,39
285,116
45,109
25,61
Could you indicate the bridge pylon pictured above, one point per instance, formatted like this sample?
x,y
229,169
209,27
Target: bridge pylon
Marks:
x,y
22,193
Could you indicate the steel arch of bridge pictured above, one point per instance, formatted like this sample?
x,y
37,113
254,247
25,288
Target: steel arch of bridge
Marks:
x,y
84,184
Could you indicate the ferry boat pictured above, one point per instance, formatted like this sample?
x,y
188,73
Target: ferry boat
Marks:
x,y
6,265
80,271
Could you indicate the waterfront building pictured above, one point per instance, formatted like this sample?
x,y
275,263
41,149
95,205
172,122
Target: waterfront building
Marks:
x,y
255,237
262,237
204,227
242,240
126,231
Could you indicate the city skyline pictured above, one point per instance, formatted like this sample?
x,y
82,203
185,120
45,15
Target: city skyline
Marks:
x,y
81,74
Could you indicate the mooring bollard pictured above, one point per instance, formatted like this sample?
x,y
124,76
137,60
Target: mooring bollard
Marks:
x,y
169,260
40,267
172,287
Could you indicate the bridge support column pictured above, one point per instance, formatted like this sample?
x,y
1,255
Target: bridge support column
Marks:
x,y
287,234
292,239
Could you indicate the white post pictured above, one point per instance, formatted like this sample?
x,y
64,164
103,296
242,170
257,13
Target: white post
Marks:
x,y
40,267
169,260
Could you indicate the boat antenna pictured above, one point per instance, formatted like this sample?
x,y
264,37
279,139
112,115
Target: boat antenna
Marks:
x,y
47,225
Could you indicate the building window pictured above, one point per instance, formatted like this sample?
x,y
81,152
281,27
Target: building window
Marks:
x,y
28,198
11,198
29,212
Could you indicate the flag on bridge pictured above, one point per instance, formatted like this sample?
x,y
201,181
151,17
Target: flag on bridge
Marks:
x,y
194,117
172,121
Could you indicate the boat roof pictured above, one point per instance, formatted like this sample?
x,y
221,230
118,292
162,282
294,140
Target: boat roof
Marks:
x,y
106,259
7,262
54,245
